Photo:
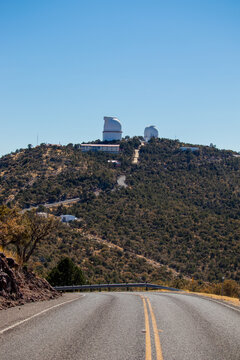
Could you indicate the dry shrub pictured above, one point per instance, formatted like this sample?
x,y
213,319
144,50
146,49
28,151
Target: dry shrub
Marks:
x,y
227,288
9,254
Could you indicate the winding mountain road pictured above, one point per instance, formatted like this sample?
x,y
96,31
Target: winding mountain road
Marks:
x,y
126,326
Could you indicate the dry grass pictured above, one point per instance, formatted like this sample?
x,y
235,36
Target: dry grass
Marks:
x,y
233,301
9,254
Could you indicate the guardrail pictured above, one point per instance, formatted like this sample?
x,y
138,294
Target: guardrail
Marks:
x,y
147,286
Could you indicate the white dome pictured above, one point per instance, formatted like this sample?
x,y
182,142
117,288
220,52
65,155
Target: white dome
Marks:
x,y
112,124
112,129
149,132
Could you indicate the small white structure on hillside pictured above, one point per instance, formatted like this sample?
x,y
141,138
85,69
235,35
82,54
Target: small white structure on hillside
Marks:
x,y
149,132
116,162
67,218
112,129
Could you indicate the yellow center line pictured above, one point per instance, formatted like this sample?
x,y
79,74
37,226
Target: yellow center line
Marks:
x,y
148,355
159,355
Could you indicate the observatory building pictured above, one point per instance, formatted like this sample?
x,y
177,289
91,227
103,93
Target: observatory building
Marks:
x,y
149,132
109,148
112,129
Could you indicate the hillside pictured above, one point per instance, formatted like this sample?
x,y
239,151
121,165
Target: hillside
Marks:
x,y
101,261
52,173
180,209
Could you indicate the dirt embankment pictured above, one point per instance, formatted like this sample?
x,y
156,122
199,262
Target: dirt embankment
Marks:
x,y
19,286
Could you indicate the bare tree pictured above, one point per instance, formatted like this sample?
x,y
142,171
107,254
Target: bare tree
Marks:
x,y
37,230
24,231
11,225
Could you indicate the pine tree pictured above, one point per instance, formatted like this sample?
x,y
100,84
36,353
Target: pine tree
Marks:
x,y
66,273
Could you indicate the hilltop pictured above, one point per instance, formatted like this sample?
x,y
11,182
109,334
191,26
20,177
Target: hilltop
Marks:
x,y
180,210
49,173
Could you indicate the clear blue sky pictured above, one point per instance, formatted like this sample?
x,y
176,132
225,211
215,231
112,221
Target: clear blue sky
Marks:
x,y
64,64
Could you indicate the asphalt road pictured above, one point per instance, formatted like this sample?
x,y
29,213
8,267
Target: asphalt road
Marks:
x,y
126,326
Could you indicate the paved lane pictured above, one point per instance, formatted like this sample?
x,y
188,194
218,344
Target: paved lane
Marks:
x,y
127,326
97,326
196,328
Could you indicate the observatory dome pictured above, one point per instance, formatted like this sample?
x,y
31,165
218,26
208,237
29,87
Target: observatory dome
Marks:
x,y
149,132
112,129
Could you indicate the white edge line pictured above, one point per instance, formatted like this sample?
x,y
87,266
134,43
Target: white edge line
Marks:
x,y
35,315
221,303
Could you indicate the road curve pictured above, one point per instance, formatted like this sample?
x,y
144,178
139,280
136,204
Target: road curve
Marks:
x,y
126,326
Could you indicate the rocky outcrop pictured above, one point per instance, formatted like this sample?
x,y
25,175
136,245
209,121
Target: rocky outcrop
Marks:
x,y
19,286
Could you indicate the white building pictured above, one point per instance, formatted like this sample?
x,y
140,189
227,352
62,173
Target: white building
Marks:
x,y
109,148
149,132
189,148
67,218
112,129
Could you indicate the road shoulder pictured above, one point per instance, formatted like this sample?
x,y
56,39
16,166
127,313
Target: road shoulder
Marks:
x,y
11,316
